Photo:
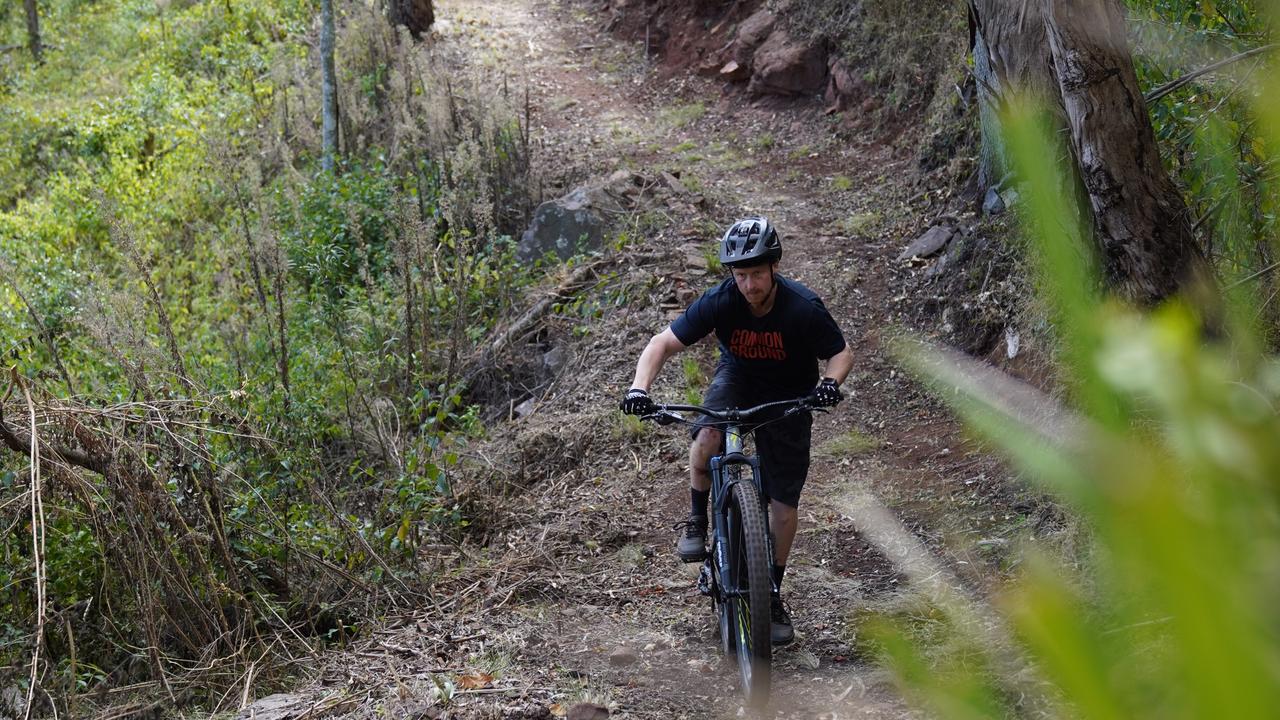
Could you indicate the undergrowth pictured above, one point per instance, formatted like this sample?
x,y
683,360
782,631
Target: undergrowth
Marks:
x,y
242,376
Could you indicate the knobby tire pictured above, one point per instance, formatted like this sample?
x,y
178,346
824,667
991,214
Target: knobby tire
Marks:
x,y
750,570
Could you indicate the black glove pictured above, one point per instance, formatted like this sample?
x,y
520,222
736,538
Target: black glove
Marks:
x,y
826,394
637,402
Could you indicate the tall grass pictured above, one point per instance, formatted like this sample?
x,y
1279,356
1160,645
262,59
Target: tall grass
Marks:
x,y
1166,452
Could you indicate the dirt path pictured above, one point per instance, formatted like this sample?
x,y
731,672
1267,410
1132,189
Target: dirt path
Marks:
x,y
574,594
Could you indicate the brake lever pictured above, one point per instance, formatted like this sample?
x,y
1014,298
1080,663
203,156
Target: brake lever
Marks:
x,y
796,410
668,417
664,417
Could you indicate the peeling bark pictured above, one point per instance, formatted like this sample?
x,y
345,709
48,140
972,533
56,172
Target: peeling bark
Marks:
x,y
1141,221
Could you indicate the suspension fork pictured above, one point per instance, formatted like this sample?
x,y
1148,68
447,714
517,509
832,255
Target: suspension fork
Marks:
x,y
721,489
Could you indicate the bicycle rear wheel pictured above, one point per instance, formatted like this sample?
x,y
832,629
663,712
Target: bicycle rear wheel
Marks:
x,y
748,610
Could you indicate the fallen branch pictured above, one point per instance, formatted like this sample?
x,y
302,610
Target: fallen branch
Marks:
x,y
531,317
97,464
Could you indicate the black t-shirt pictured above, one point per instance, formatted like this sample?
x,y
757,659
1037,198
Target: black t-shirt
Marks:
x,y
777,352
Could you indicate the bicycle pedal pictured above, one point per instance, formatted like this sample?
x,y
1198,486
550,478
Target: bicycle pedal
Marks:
x,y
691,558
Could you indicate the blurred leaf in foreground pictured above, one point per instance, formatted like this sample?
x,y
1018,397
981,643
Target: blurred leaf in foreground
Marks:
x,y
1169,458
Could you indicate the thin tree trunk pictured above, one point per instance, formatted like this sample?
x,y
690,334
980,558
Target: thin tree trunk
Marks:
x,y
250,249
328,87
282,327
1010,56
1142,225
33,30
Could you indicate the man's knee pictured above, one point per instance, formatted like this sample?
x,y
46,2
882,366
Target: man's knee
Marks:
x,y
705,445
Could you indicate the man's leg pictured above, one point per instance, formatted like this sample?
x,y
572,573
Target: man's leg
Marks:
x,y
704,447
784,453
692,545
782,523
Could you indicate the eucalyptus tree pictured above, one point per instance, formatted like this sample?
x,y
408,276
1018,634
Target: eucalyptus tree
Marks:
x,y
1072,56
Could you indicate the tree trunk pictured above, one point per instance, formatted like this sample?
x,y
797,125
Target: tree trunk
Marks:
x,y
1010,55
1141,220
328,88
33,30
416,15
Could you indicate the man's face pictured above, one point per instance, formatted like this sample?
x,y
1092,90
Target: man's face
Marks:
x,y
755,283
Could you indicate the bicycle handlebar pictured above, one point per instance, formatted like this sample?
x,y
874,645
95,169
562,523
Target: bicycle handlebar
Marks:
x,y
668,412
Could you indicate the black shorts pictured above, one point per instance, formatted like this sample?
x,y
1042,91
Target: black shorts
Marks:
x,y
783,446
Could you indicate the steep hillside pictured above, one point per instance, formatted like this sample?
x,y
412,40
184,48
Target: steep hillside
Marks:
x,y
565,597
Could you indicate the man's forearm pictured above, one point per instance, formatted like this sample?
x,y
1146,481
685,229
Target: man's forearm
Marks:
x,y
647,367
654,356
839,365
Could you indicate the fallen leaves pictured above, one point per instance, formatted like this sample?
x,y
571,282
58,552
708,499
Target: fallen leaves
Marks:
x,y
475,681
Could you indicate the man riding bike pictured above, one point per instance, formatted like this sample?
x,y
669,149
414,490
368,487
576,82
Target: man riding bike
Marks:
x,y
772,332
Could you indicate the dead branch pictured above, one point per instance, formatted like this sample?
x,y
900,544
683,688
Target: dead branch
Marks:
x,y
531,317
99,465
1173,85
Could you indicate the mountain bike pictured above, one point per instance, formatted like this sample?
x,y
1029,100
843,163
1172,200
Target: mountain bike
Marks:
x,y
738,572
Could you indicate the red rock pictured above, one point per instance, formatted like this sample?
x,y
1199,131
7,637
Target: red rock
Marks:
x,y
783,66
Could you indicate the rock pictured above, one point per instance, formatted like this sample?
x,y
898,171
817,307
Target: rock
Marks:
x,y
844,89
733,71
555,359
696,261
685,295
710,66
562,227
525,711
525,408
281,706
806,660
674,183
576,222
587,711
623,656
751,34
416,15
992,204
933,240
783,66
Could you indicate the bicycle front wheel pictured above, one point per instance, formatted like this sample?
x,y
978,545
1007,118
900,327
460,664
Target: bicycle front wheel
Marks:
x,y
749,579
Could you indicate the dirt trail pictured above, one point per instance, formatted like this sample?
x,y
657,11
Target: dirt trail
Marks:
x,y
579,598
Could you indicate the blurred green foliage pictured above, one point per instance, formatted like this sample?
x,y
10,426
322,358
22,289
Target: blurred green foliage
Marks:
x,y
1165,455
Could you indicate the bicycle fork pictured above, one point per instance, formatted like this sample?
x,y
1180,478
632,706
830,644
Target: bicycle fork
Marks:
x,y
717,559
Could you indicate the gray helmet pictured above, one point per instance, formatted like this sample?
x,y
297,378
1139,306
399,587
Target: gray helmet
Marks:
x,y
751,241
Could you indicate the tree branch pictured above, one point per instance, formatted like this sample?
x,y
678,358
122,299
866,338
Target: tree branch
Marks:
x,y
17,444
1172,85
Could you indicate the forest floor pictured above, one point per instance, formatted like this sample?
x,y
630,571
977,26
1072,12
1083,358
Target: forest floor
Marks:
x,y
566,592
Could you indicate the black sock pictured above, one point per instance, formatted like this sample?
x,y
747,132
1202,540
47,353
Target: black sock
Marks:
x,y
698,502
778,572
